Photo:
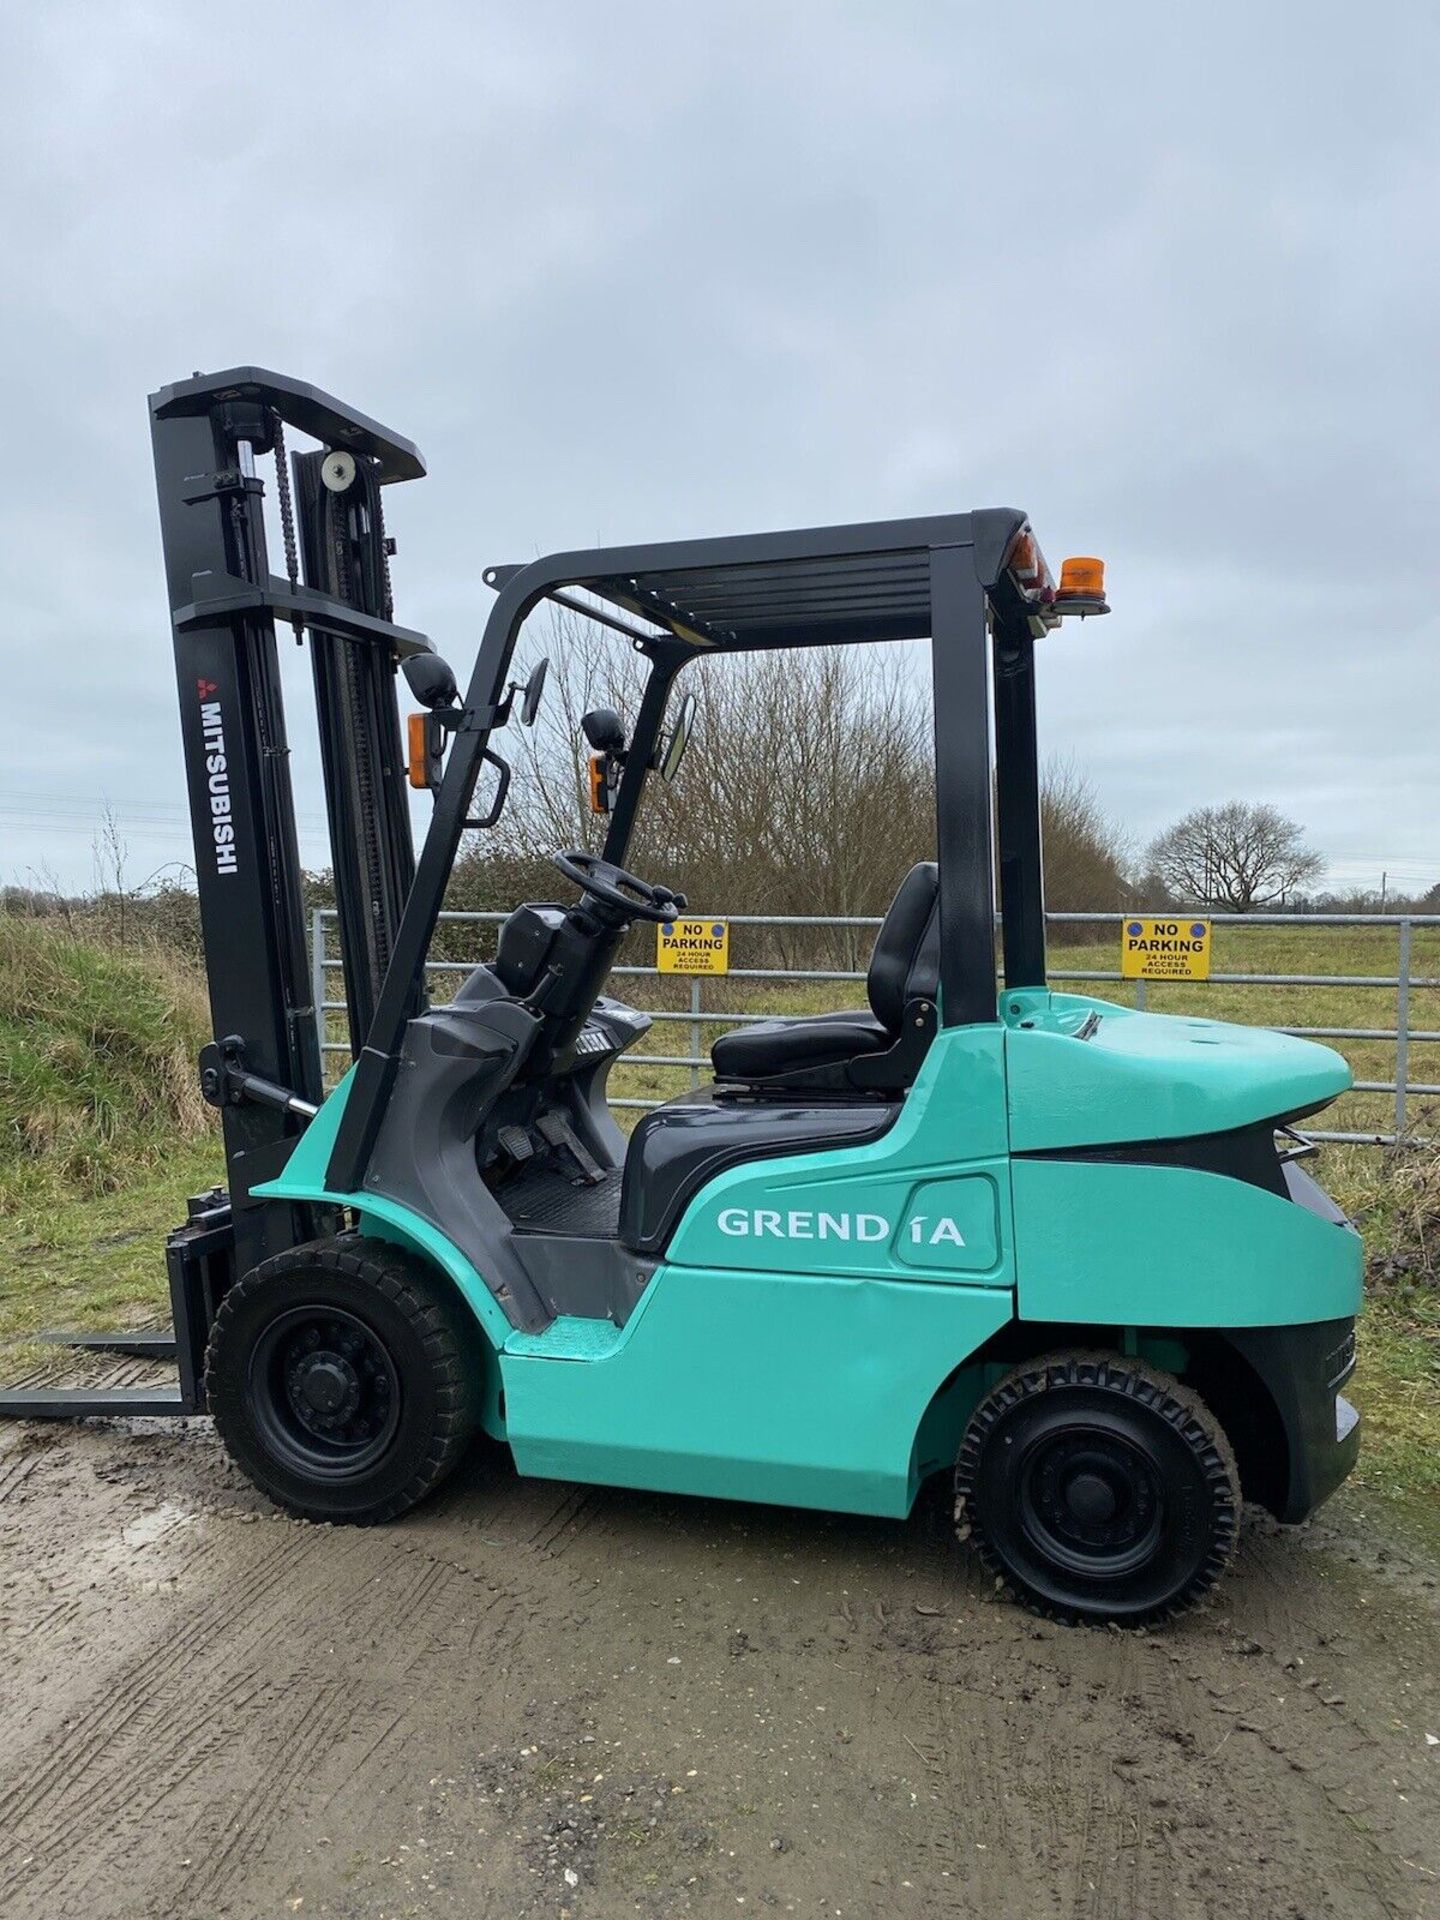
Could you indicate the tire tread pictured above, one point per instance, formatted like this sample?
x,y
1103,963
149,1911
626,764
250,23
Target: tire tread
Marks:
x,y
401,1279
1175,1403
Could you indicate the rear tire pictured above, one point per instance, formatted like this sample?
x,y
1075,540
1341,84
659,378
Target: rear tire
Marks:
x,y
1098,1488
343,1380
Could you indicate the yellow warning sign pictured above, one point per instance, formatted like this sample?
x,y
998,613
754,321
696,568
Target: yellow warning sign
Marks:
x,y
693,946
1153,949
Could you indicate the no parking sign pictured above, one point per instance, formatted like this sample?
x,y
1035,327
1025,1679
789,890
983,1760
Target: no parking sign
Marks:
x,y
693,946
1156,949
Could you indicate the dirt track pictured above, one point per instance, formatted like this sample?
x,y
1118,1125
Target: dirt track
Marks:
x,y
533,1699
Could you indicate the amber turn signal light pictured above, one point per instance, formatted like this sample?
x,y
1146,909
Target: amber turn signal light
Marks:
x,y
599,783
418,755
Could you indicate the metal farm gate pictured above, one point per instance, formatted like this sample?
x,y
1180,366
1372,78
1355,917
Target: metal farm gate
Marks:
x,y
698,1017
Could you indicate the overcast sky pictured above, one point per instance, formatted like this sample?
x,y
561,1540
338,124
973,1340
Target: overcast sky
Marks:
x,y
1165,277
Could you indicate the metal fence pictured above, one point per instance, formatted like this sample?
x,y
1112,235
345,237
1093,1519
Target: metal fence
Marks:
x,y
1404,983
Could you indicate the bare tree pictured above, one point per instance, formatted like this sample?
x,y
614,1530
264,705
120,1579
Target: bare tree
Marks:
x,y
110,856
1237,858
809,788
808,778
549,806
1086,854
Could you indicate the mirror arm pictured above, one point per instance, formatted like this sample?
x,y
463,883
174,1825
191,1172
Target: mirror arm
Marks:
x,y
457,719
524,690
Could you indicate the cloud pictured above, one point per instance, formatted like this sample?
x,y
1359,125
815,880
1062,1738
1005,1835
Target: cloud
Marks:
x,y
647,270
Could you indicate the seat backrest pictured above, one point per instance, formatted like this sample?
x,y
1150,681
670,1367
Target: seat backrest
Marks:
x,y
906,962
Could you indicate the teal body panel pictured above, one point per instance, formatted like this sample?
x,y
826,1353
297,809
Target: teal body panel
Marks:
x,y
802,1390
806,1340
802,1341
304,1179
1148,1076
1105,1242
1101,1243
929,1199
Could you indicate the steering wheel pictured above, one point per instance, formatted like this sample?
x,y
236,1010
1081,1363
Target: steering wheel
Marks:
x,y
626,891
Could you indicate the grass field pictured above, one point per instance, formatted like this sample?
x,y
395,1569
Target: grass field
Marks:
x,y
102,1137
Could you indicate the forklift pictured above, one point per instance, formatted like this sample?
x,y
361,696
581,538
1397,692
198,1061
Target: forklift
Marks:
x,y
1060,1250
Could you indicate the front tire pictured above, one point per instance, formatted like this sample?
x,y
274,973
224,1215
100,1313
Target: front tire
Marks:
x,y
1099,1488
342,1380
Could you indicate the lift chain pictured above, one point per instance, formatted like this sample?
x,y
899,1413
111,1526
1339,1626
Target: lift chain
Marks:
x,y
287,515
387,547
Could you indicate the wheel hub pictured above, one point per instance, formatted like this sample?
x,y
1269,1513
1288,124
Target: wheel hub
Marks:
x,y
1092,1500
326,1390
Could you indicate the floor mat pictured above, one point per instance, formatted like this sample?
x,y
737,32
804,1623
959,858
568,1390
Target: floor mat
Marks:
x,y
548,1199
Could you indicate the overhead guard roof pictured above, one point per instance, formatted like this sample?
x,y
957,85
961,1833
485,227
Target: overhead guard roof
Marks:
x,y
816,586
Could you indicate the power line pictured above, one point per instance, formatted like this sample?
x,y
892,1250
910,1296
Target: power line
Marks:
x,y
63,817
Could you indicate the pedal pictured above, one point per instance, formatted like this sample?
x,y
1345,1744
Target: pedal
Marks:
x,y
515,1143
556,1129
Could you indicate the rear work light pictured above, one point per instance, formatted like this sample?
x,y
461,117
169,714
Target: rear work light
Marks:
x,y
1029,568
1030,572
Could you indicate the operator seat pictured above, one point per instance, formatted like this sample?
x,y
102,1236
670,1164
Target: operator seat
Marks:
x,y
816,1050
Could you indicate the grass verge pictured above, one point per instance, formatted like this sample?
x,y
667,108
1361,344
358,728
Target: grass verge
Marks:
x,y
102,1131
1395,1201
94,1261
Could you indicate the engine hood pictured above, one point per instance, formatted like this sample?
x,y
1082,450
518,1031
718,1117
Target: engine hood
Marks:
x,y
1082,1072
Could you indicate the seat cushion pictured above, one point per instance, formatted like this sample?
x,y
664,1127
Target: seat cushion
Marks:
x,y
792,1046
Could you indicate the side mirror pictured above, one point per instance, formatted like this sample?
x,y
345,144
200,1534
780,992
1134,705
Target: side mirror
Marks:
x,y
605,730
534,688
431,680
673,751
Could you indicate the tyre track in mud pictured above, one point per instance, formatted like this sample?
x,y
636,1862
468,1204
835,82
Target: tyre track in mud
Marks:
x,y
155,1724
691,1707
221,1716
88,1739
